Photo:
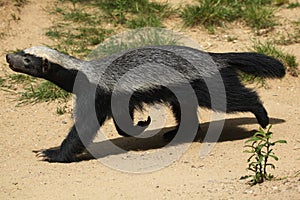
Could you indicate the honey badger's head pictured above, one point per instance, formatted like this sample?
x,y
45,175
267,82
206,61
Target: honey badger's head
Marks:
x,y
34,61
47,63
39,60
28,63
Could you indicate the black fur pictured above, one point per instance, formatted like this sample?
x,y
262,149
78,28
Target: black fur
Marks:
x,y
103,76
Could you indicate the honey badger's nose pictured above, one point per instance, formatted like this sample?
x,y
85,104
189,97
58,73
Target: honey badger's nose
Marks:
x,y
8,57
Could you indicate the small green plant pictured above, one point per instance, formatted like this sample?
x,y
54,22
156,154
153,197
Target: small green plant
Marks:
x,y
261,151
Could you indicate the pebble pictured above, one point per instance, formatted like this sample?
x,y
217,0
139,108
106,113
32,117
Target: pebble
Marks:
x,y
248,192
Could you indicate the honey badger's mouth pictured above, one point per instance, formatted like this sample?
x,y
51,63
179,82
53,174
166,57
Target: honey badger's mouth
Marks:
x,y
14,67
11,66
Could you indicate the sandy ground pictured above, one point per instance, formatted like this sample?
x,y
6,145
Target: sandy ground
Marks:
x,y
215,176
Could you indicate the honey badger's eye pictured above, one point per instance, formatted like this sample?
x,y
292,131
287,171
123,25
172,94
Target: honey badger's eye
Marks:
x,y
26,60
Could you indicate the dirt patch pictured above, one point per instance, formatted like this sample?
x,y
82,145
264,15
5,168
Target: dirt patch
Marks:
x,y
33,127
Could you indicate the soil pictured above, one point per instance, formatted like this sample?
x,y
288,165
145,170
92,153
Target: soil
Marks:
x,y
215,176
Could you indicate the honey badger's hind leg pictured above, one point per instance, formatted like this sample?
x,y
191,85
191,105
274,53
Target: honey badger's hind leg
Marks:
x,y
246,100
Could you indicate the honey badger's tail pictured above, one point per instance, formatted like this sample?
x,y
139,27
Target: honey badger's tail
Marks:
x,y
252,63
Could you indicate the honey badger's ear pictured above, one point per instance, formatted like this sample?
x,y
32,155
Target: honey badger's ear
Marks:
x,y
45,65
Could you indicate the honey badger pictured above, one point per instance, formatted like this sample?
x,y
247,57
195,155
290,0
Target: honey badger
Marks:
x,y
102,76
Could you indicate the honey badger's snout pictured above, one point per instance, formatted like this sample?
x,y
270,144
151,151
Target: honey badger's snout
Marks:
x,y
25,63
15,61
8,58
12,61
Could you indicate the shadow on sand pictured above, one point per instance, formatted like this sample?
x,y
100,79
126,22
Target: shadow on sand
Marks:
x,y
232,131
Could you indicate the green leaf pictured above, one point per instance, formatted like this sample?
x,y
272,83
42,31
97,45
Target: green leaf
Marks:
x,y
253,139
248,151
275,157
281,141
259,134
248,146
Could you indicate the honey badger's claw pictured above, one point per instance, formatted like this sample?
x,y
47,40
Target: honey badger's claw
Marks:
x,y
40,155
50,155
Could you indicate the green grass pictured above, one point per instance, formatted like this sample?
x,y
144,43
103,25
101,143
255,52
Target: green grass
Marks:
x,y
259,17
270,49
20,3
78,30
9,82
291,38
135,14
293,5
20,79
251,79
43,92
34,90
83,25
210,13
258,14
2,82
77,40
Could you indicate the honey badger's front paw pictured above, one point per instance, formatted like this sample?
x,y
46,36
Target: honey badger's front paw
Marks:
x,y
53,155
